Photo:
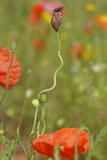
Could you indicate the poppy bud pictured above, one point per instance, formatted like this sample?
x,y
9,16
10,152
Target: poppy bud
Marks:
x,y
35,102
57,18
61,148
13,45
43,98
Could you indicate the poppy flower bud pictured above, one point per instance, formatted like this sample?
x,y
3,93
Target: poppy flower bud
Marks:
x,y
35,102
57,18
61,148
43,98
13,45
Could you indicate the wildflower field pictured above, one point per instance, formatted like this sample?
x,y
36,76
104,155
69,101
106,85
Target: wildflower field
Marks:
x,y
53,79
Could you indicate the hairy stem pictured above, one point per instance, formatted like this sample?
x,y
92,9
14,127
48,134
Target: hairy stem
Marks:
x,y
44,91
5,91
58,69
35,119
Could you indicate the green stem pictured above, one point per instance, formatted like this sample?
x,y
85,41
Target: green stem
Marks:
x,y
43,120
76,142
31,134
58,69
35,118
5,91
76,147
44,91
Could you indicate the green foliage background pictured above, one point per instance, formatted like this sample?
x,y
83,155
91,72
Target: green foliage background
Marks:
x,y
80,98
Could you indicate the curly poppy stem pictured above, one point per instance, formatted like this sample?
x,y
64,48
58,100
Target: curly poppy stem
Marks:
x,y
58,69
13,46
53,86
44,91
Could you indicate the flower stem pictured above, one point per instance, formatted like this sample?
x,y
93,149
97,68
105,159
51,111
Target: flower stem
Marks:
x,y
44,91
58,69
35,118
5,91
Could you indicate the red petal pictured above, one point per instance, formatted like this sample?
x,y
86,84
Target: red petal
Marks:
x,y
66,137
15,71
36,12
44,144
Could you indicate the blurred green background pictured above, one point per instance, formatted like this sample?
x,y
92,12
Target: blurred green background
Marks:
x,y
80,98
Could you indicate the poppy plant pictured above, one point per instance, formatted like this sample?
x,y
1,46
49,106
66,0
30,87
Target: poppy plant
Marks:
x,y
15,70
40,9
65,139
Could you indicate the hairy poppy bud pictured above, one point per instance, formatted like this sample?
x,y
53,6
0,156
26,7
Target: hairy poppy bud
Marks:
x,y
43,98
35,102
57,18
13,45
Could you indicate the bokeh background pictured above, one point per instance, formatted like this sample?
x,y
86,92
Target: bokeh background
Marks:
x,y
80,97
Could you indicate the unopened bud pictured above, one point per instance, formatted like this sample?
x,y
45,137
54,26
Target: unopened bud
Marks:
x,y
13,45
61,148
57,18
35,102
43,98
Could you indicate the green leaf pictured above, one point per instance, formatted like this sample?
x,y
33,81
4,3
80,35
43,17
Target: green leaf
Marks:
x,y
99,137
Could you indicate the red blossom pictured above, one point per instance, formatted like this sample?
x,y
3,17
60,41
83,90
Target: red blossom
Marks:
x,y
44,144
66,137
36,12
76,49
65,140
39,44
87,29
15,71
50,6
101,21
41,7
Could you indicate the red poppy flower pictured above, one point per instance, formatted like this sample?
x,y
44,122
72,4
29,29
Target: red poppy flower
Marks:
x,y
66,137
15,71
41,7
36,12
88,28
39,44
50,6
76,49
101,21
44,144
65,140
